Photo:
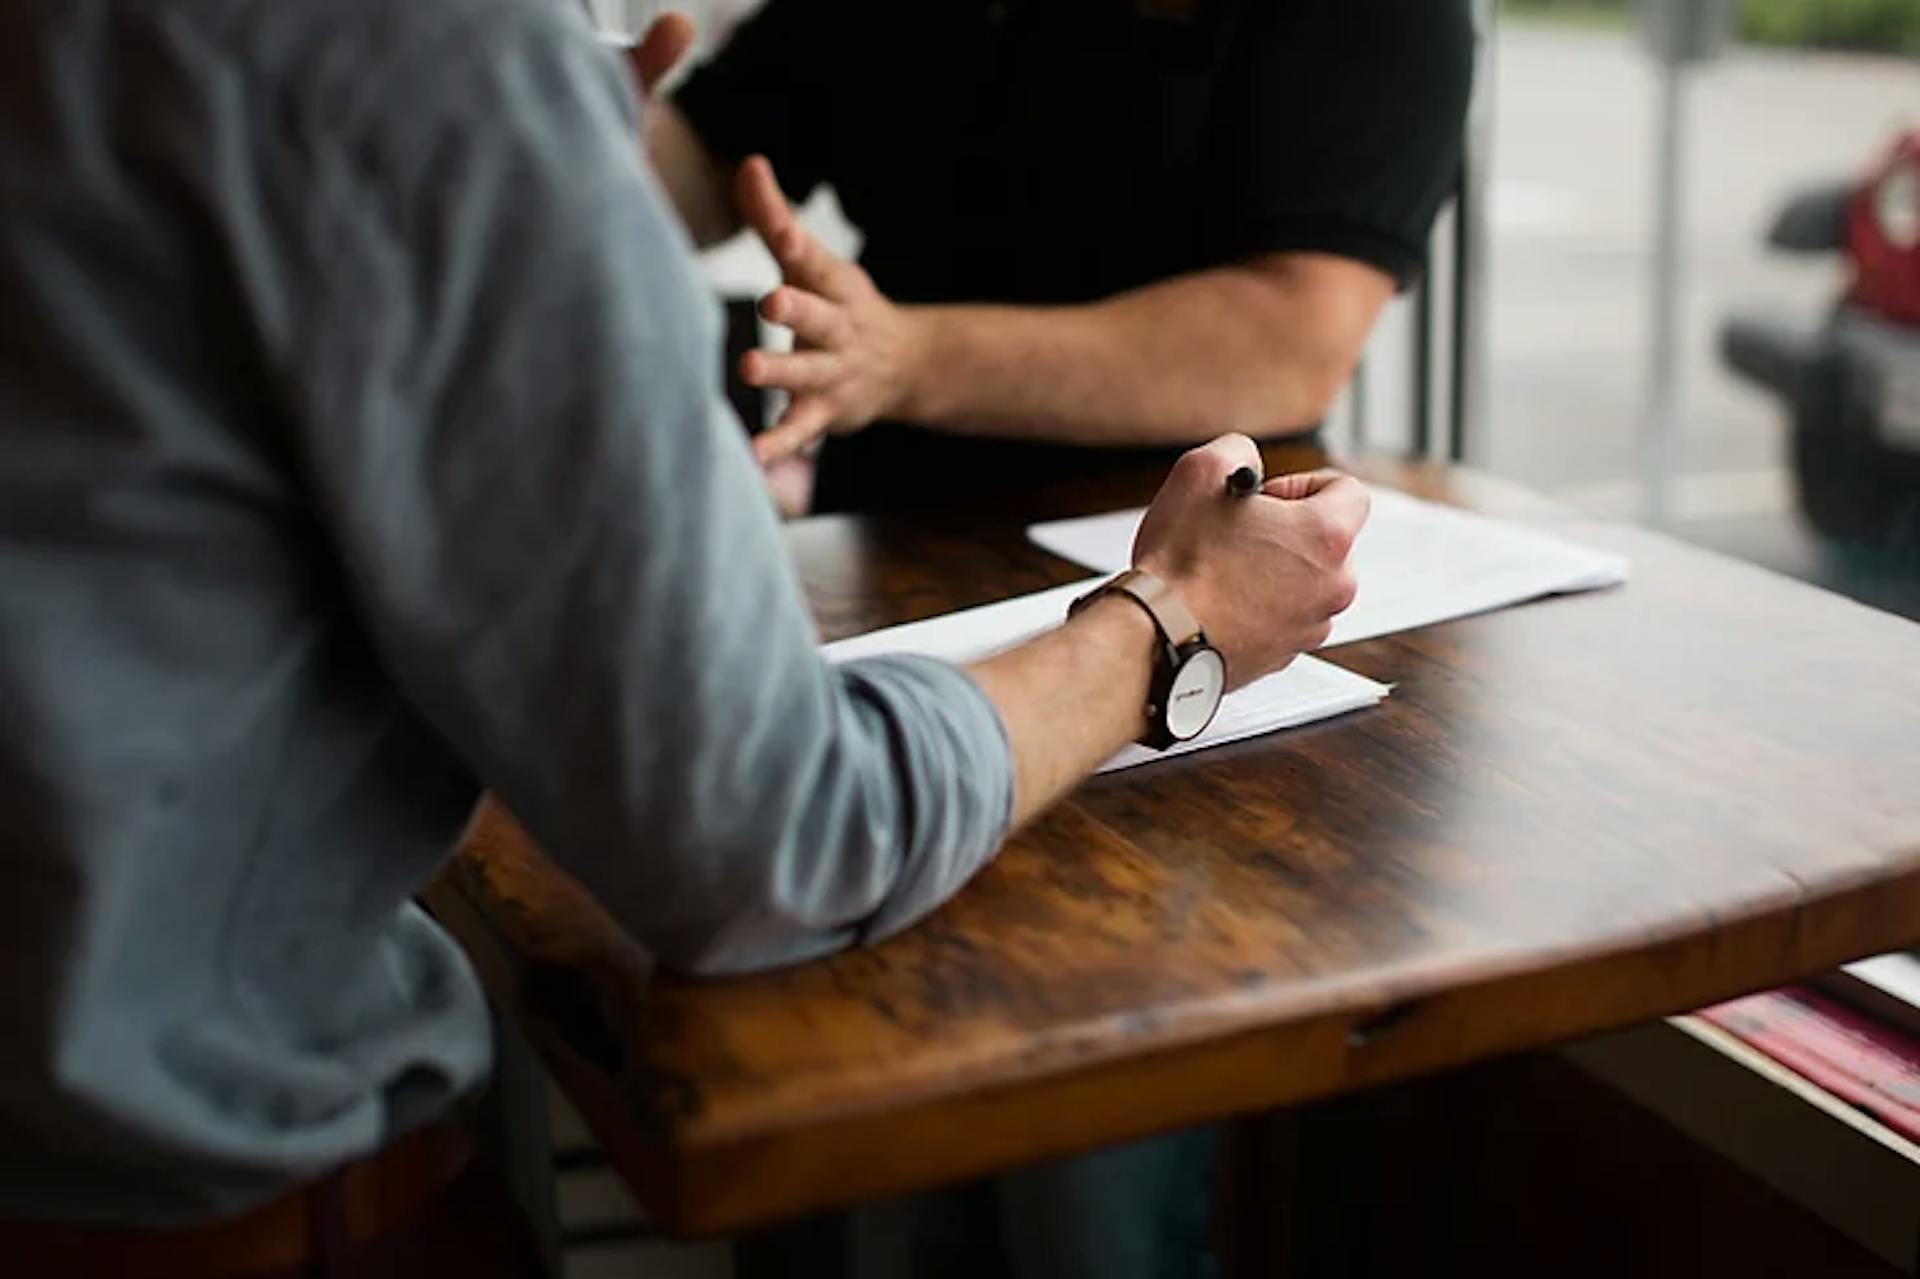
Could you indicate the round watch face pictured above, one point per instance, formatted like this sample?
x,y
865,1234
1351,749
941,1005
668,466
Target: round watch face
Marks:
x,y
1197,689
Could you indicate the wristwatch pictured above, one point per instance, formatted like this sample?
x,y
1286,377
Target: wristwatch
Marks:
x,y
1189,675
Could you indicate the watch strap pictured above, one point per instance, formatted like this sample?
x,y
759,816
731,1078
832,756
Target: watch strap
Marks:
x,y
1180,636
1176,621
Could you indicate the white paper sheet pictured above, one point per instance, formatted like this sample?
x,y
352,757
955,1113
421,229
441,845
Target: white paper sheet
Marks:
x,y
1306,691
1417,562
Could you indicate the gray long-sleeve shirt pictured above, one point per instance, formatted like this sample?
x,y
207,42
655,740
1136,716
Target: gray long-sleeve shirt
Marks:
x,y
361,444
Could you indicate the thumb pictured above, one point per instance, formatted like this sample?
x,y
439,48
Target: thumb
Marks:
x,y
660,50
1300,484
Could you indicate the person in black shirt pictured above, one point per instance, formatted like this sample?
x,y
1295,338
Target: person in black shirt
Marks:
x,y
1094,230
1093,227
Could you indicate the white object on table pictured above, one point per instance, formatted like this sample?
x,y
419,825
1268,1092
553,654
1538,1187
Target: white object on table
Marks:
x,y
1417,563
1307,691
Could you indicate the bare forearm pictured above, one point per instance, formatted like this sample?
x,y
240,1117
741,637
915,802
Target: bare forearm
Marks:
x,y
1256,350
1071,698
699,186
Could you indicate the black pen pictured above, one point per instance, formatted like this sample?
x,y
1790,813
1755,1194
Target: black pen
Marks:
x,y
1244,482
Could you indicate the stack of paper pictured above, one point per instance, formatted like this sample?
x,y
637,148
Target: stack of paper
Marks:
x,y
971,634
1306,691
1417,562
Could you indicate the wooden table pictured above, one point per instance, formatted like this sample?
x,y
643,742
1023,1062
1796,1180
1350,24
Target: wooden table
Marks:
x,y
1569,816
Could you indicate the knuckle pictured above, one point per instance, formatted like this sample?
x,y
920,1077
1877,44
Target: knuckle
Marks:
x,y
1323,541
1232,451
1212,462
1196,464
1334,537
1342,590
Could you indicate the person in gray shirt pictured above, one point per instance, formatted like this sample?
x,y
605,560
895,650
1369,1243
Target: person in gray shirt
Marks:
x,y
362,446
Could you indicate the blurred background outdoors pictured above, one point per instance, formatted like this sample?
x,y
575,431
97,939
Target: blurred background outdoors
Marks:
x,y
1806,92
1811,91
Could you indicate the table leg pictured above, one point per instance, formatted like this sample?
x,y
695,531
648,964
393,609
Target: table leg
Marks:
x,y
515,1136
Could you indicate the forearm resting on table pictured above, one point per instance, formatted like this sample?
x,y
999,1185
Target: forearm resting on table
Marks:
x,y
1071,698
1258,348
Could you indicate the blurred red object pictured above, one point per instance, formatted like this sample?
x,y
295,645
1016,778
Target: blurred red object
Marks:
x,y
1883,236
1859,1059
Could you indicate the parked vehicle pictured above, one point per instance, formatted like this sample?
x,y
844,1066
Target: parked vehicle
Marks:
x,y
1850,380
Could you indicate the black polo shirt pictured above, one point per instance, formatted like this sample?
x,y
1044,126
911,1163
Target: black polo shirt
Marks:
x,y
1060,151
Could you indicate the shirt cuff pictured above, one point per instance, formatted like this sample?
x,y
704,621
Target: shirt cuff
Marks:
x,y
1399,257
955,765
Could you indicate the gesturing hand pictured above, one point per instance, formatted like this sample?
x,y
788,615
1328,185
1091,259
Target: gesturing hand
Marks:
x,y
854,351
1264,575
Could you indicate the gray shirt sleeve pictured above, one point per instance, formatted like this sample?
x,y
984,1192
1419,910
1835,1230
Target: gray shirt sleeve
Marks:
x,y
512,426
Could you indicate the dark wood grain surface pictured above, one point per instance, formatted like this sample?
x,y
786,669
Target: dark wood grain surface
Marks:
x,y
1569,816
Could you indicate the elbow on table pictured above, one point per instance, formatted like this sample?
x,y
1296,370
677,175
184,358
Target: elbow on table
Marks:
x,y
808,899
769,904
751,928
849,834
728,952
